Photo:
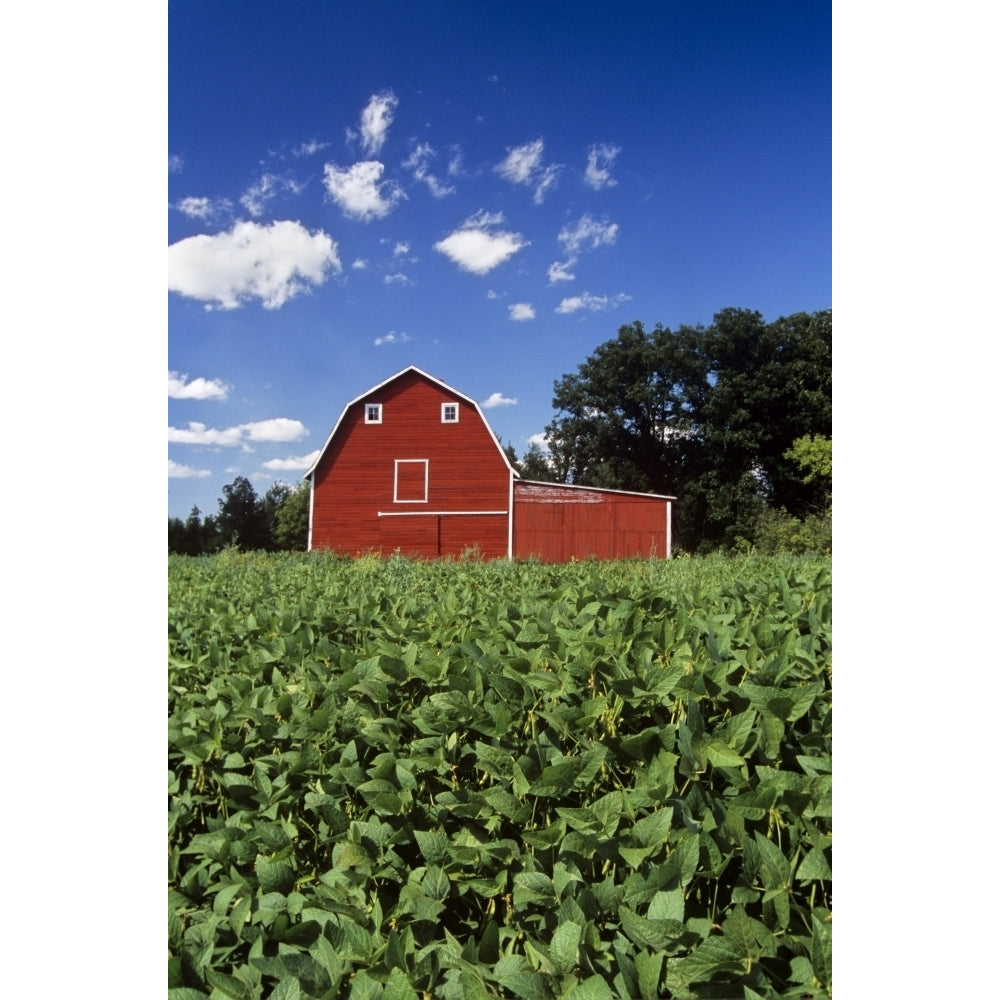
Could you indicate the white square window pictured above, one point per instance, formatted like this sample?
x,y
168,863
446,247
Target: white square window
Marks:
x,y
449,413
410,484
373,413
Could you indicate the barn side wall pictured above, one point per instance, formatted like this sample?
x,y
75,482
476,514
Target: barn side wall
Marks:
x,y
556,524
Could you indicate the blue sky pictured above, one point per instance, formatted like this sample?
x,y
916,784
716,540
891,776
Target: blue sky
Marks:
x,y
488,191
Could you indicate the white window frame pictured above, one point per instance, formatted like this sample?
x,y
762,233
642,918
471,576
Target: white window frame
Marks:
x,y
444,413
395,478
371,418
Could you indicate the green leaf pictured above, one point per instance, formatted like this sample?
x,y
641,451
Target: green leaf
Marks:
x,y
592,988
813,866
648,968
436,883
433,845
721,755
524,985
656,934
274,876
473,986
287,989
564,946
654,829
821,951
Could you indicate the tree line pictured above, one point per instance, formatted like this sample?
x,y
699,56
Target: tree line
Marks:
x,y
734,419
278,520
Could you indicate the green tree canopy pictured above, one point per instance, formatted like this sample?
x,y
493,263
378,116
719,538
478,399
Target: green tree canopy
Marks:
x,y
705,414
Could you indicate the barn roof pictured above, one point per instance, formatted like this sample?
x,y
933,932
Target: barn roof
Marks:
x,y
444,385
594,489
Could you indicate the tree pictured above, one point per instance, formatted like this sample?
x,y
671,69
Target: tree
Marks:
x,y
291,524
192,537
242,520
536,465
707,415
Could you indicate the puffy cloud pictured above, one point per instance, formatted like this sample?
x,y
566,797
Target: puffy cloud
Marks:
x,y
175,164
291,464
177,471
498,399
277,429
393,338
521,311
376,118
600,159
419,163
560,271
178,387
271,263
523,165
359,190
397,279
477,245
593,303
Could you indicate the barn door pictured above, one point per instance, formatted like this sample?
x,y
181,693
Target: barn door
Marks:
x,y
412,534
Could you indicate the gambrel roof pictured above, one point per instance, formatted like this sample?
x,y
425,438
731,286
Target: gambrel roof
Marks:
x,y
430,378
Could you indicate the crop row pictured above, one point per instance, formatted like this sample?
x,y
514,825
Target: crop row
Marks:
x,y
399,779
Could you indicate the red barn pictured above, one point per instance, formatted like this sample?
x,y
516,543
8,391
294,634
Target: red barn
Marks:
x,y
412,466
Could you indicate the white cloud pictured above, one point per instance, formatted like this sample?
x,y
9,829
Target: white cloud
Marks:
x,y
521,311
587,234
600,159
309,148
522,162
178,387
271,263
359,191
175,164
376,119
396,279
498,399
402,247
593,303
560,271
540,440
291,464
393,338
256,197
419,162
277,429
204,208
523,165
360,264
177,471
477,246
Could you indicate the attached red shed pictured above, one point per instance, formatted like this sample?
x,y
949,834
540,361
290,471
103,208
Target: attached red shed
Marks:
x,y
412,466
